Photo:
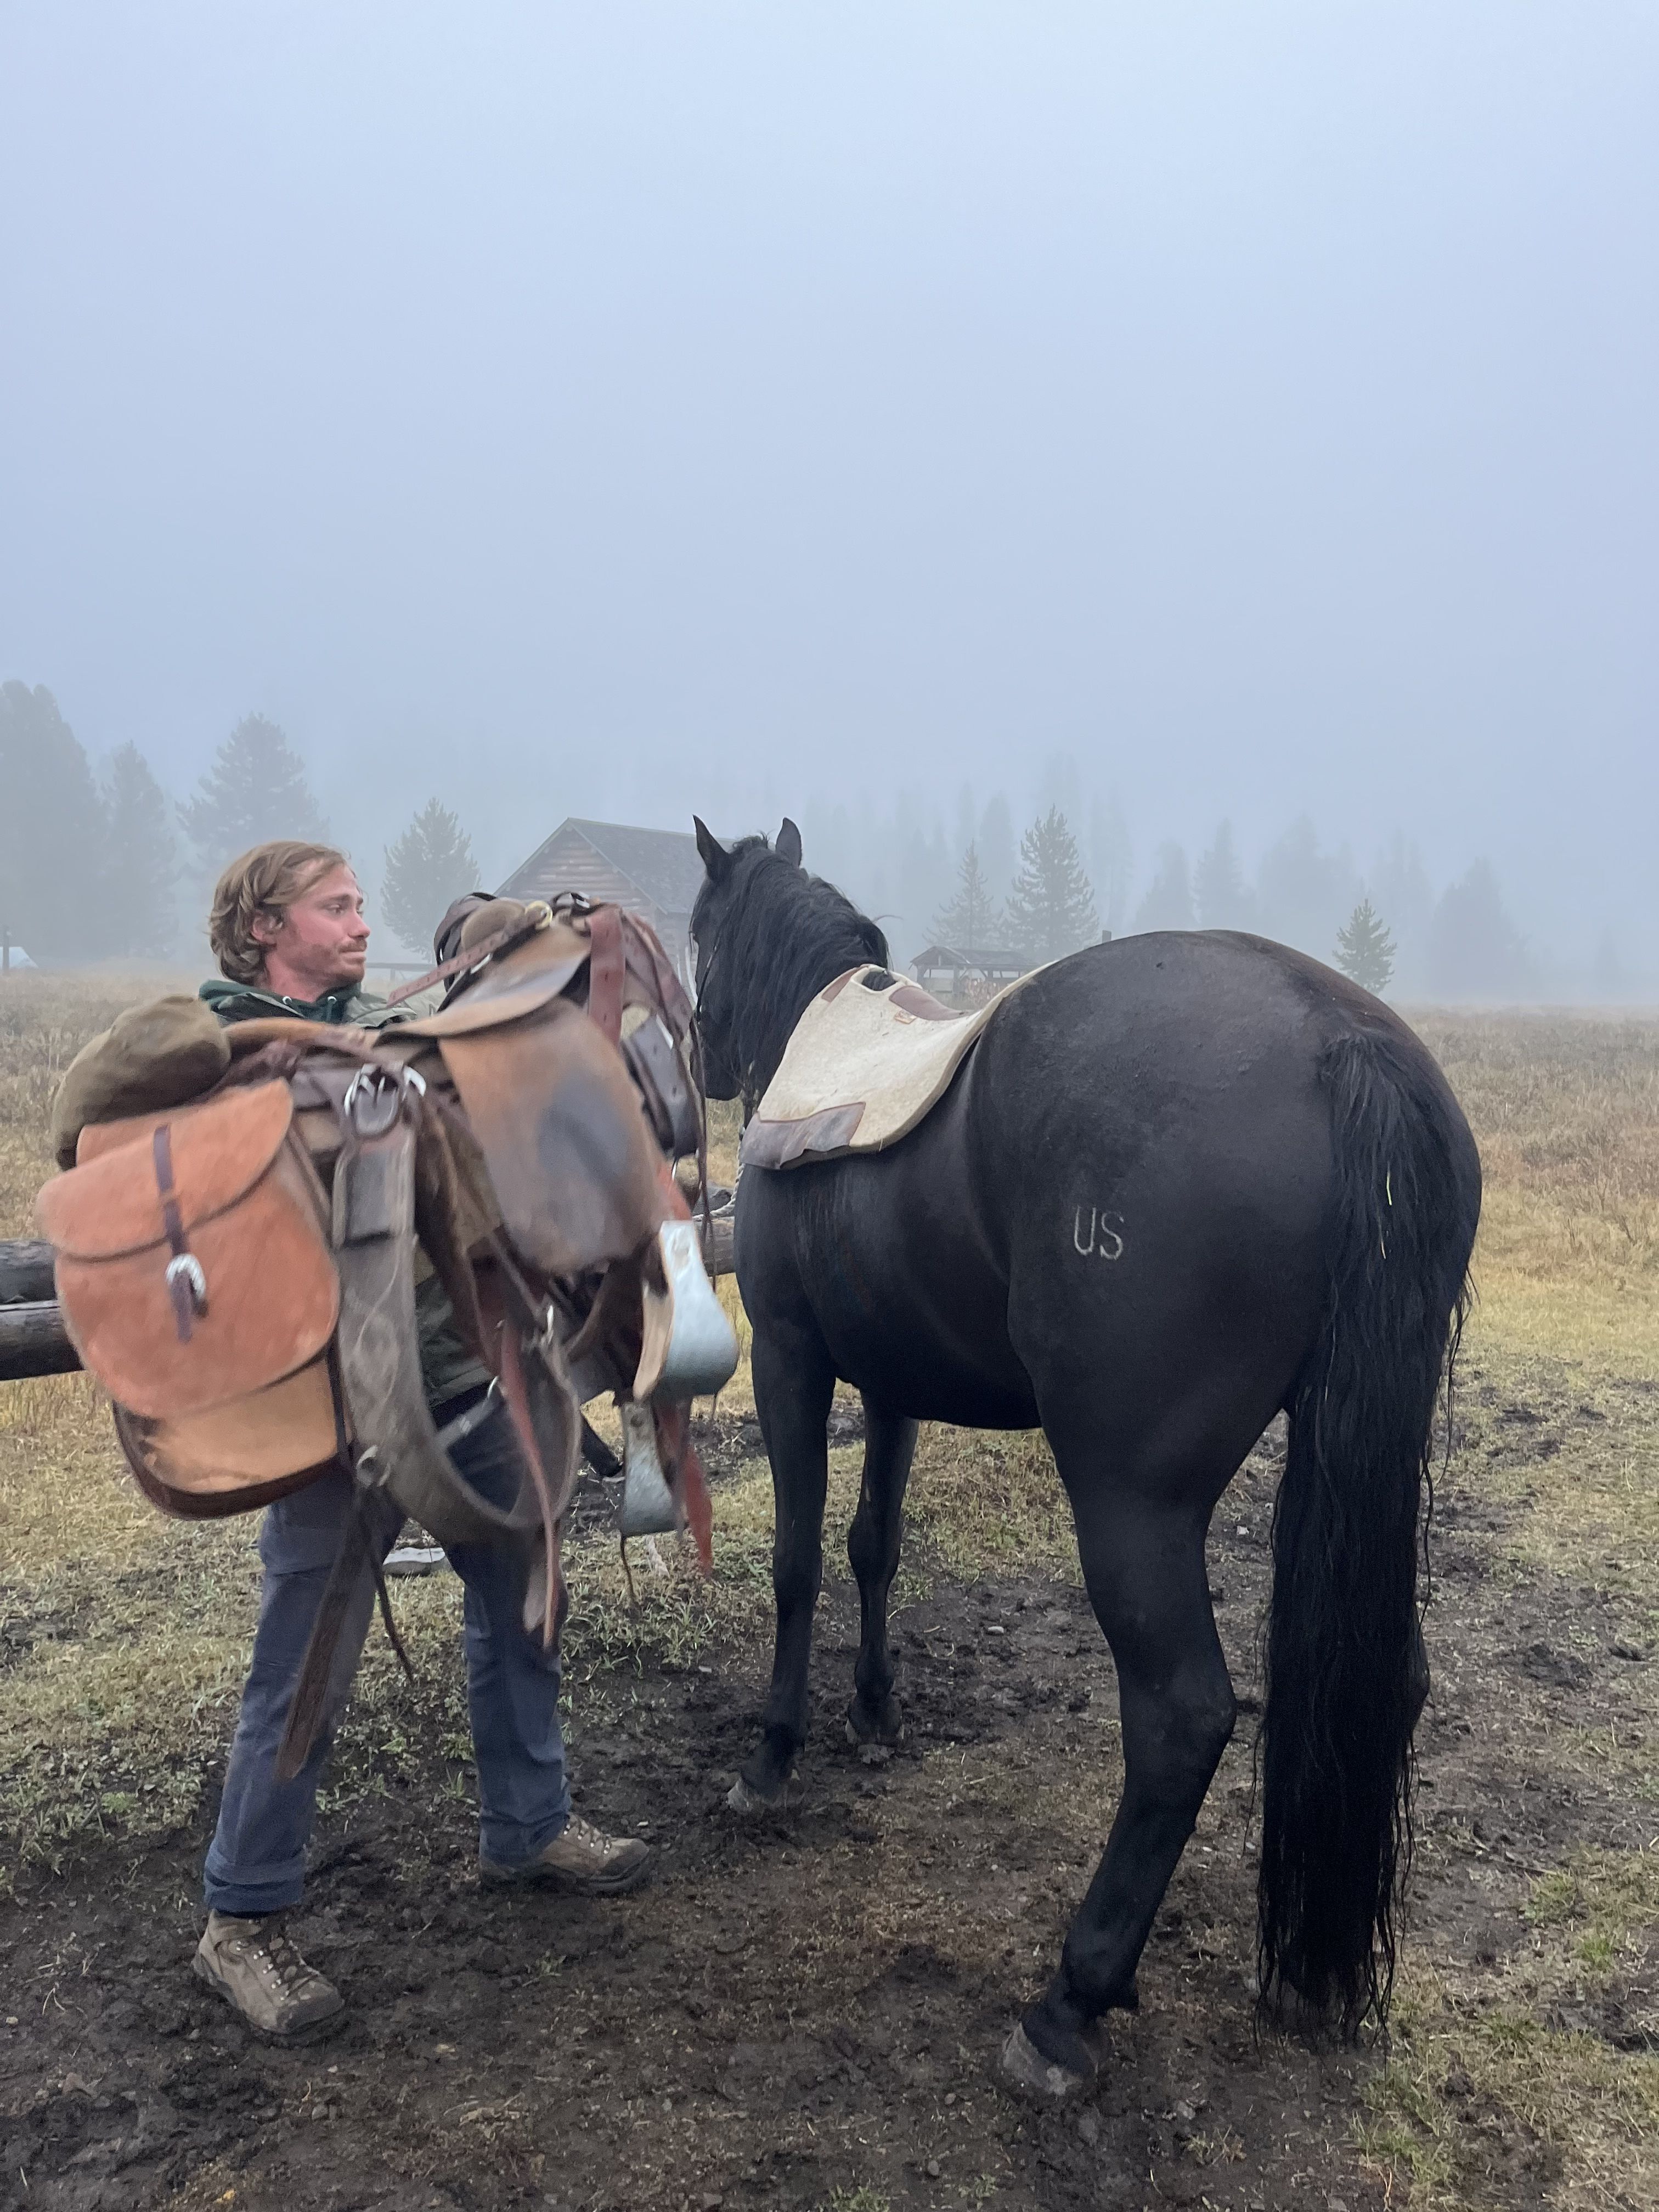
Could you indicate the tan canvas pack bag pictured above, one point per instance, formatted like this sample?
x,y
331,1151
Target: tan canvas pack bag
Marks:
x,y
196,1282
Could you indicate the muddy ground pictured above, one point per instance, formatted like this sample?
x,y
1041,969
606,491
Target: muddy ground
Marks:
x,y
809,2012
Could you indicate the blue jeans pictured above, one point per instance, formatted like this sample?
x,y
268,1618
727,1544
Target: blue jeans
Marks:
x,y
256,1862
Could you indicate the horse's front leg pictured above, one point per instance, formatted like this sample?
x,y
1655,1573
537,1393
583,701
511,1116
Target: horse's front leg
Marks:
x,y
873,1718
794,1383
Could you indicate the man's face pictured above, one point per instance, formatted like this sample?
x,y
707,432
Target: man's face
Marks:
x,y
321,942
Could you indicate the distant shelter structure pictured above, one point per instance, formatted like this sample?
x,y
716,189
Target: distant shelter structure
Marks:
x,y
966,976
656,874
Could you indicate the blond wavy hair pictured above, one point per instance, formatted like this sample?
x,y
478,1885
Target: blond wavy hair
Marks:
x,y
265,881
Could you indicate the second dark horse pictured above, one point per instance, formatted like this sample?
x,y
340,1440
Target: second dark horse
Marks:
x,y
1182,1181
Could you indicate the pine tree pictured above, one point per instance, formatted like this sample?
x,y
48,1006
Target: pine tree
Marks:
x,y
141,871
255,790
1474,950
1168,901
1302,892
1051,909
430,865
52,831
996,842
1218,888
968,922
1364,950
1111,856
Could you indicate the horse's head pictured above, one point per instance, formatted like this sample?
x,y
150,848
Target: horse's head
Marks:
x,y
767,935
721,927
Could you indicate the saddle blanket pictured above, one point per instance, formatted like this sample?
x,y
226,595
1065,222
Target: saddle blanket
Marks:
x,y
863,1066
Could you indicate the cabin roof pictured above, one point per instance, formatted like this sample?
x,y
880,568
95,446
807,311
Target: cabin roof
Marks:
x,y
664,864
1005,961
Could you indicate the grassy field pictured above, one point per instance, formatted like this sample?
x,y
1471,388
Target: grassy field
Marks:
x,y
123,1637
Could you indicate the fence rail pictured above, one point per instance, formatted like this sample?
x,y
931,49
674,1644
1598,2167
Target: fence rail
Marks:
x,y
33,1340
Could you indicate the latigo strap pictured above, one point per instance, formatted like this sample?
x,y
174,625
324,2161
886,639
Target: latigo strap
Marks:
x,y
186,1280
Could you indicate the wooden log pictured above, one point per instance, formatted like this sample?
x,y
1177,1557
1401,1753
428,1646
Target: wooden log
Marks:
x,y
717,1241
33,1337
33,1341
25,1271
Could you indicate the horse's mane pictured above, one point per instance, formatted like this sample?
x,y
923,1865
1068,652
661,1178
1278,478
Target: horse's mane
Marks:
x,y
784,934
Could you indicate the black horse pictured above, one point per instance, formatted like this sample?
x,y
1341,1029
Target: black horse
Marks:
x,y
1181,1183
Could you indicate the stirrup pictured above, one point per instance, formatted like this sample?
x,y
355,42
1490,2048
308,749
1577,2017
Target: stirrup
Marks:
x,y
647,1503
689,1348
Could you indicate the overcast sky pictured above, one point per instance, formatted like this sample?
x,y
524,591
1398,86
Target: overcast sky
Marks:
x,y
618,409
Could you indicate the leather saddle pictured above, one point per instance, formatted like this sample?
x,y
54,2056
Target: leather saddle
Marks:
x,y
240,1272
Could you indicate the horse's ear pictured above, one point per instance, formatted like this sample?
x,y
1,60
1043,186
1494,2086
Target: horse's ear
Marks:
x,y
788,845
713,854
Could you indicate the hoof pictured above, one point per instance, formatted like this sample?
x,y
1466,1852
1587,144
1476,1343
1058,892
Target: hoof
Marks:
x,y
742,1797
876,1738
871,1754
1025,2068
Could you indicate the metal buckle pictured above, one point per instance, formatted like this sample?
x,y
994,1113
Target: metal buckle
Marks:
x,y
187,1268
374,1097
458,1431
368,1474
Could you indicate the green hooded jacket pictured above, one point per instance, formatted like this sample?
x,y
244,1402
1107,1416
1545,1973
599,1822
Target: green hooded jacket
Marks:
x,y
447,1367
247,1002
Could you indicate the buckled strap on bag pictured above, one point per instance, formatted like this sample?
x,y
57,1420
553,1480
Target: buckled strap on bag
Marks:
x,y
607,965
186,1281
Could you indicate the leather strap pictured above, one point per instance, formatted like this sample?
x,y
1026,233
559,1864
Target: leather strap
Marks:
x,y
607,964
369,1532
652,970
535,916
186,1283
547,1420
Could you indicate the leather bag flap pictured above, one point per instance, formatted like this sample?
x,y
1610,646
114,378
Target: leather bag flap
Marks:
x,y
220,1151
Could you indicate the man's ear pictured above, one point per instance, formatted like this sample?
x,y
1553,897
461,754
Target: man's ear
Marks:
x,y
265,928
714,855
787,845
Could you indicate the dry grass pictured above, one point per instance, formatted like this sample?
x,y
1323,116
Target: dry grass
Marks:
x,y
44,1021
1567,1110
125,1635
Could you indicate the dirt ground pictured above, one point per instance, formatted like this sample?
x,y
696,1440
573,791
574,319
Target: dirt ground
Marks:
x,y
809,2011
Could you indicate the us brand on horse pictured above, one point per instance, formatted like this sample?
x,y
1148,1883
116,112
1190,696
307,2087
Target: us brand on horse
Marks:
x,y
1181,1183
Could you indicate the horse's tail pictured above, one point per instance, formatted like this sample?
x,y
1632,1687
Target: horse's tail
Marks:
x,y
1345,1679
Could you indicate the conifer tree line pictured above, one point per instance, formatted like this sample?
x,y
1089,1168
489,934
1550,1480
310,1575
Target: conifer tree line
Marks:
x,y
1073,874
101,864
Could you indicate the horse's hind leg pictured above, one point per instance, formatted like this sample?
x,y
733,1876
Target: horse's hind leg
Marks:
x,y
794,1383
1143,1560
873,1718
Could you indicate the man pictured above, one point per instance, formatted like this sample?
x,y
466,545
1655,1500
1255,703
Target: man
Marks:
x,y
289,933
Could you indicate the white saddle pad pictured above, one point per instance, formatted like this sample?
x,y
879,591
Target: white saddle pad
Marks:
x,y
865,1062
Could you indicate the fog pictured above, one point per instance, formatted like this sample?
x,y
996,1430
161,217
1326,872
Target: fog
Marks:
x,y
1184,413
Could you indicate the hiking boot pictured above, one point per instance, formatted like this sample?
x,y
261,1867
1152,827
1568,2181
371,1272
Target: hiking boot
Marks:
x,y
580,1857
260,1975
